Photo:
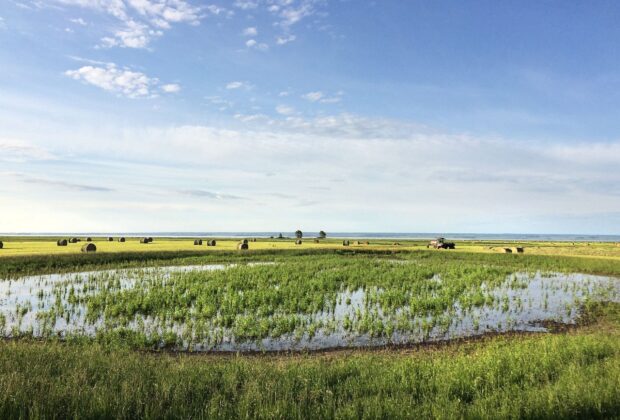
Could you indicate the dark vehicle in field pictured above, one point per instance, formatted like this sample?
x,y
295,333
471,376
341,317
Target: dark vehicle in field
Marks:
x,y
440,243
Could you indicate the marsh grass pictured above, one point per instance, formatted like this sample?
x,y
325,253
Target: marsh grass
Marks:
x,y
572,375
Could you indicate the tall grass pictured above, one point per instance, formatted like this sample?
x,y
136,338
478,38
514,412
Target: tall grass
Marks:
x,y
549,376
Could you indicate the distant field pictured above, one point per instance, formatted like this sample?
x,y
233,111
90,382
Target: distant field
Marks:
x,y
14,246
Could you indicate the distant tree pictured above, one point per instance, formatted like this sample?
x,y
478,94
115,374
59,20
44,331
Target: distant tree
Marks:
x,y
299,234
322,234
280,236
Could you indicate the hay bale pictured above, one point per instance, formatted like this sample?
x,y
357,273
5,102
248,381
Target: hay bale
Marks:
x,y
507,251
366,243
61,242
345,243
245,241
150,239
316,241
110,239
1,244
520,249
121,239
356,243
298,242
243,245
89,247
73,240
89,239
198,242
211,242
396,243
144,240
253,239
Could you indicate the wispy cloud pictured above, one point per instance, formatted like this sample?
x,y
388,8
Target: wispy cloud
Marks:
x,y
238,85
321,97
142,20
285,110
210,195
125,82
171,88
48,182
254,44
18,151
251,31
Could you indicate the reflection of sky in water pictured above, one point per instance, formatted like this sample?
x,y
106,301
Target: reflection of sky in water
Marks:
x,y
522,303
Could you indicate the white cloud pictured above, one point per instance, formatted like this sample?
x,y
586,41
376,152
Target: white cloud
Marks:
x,y
313,96
128,83
79,21
142,20
285,110
319,96
246,5
252,43
238,85
171,88
251,31
283,40
134,35
320,171
19,151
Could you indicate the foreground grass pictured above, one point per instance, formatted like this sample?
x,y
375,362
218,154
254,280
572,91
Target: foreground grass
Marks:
x,y
569,375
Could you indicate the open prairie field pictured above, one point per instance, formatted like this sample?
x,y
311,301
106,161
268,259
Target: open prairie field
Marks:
x,y
48,246
172,329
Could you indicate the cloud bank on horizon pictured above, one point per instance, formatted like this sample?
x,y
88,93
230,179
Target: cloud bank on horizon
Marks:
x,y
173,115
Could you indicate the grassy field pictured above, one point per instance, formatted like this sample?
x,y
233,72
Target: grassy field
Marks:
x,y
124,372
14,246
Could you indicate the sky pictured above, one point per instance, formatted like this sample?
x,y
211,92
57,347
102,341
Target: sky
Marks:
x,y
341,115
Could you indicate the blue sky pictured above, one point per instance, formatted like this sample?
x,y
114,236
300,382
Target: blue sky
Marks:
x,y
185,115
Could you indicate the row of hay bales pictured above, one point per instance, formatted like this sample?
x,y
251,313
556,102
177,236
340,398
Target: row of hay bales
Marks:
x,y
146,240
64,242
210,242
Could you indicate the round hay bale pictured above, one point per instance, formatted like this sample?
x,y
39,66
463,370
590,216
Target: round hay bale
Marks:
x,y
198,242
507,251
89,247
298,242
110,239
253,239
144,240
345,243
366,243
211,242
121,239
61,242
89,239
316,241
242,246
520,249
245,241
149,239
73,241
356,243
1,245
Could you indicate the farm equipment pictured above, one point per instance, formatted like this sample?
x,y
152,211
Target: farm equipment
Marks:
x,y
440,243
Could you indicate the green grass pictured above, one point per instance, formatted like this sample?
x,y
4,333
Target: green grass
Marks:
x,y
571,375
